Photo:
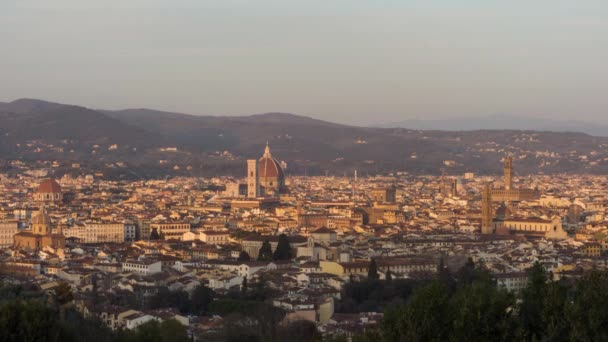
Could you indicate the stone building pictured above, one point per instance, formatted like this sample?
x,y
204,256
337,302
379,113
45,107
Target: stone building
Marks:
x,y
509,192
8,229
41,235
549,229
384,195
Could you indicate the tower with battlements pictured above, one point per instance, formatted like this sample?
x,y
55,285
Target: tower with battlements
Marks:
x,y
508,173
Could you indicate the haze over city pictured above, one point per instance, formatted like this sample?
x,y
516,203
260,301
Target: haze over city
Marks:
x,y
347,61
303,171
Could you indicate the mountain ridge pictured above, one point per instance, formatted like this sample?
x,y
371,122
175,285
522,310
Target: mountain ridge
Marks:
x,y
210,145
499,122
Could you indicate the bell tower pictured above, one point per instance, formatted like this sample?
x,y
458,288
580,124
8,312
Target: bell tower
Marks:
x,y
487,215
253,181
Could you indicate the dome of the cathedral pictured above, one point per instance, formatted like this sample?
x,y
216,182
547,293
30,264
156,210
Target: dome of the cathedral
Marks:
x,y
269,167
49,186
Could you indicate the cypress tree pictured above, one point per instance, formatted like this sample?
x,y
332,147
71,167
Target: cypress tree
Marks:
x,y
372,273
154,234
265,253
283,251
244,256
244,285
389,276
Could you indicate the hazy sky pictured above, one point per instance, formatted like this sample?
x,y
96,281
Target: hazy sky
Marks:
x,y
356,61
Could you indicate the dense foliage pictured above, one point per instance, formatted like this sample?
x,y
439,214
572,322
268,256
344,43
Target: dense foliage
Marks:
x,y
37,320
469,306
27,314
462,306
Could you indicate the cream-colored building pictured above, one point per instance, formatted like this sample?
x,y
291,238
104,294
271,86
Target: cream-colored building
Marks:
x,y
214,237
397,265
97,232
171,230
554,201
550,229
145,267
512,282
8,229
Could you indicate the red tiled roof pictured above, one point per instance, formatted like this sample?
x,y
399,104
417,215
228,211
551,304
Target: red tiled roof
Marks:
x,y
49,186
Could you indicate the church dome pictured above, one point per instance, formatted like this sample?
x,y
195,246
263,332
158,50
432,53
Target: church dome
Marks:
x,y
269,167
503,211
49,186
42,217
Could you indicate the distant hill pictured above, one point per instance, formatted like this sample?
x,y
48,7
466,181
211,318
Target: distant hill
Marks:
x,y
28,119
133,140
497,122
299,136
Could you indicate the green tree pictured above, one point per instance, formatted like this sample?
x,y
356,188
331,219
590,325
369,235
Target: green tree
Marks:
x,y
261,290
202,296
87,329
249,320
589,317
31,321
424,318
532,305
556,311
153,331
170,299
391,323
372,272
482,312
298,331
466,273
154,234
265,253
243,256
444,275
63,293
283,250
244,285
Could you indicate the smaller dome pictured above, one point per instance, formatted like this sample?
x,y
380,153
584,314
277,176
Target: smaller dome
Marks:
x,y
503,211
49,186
42,217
